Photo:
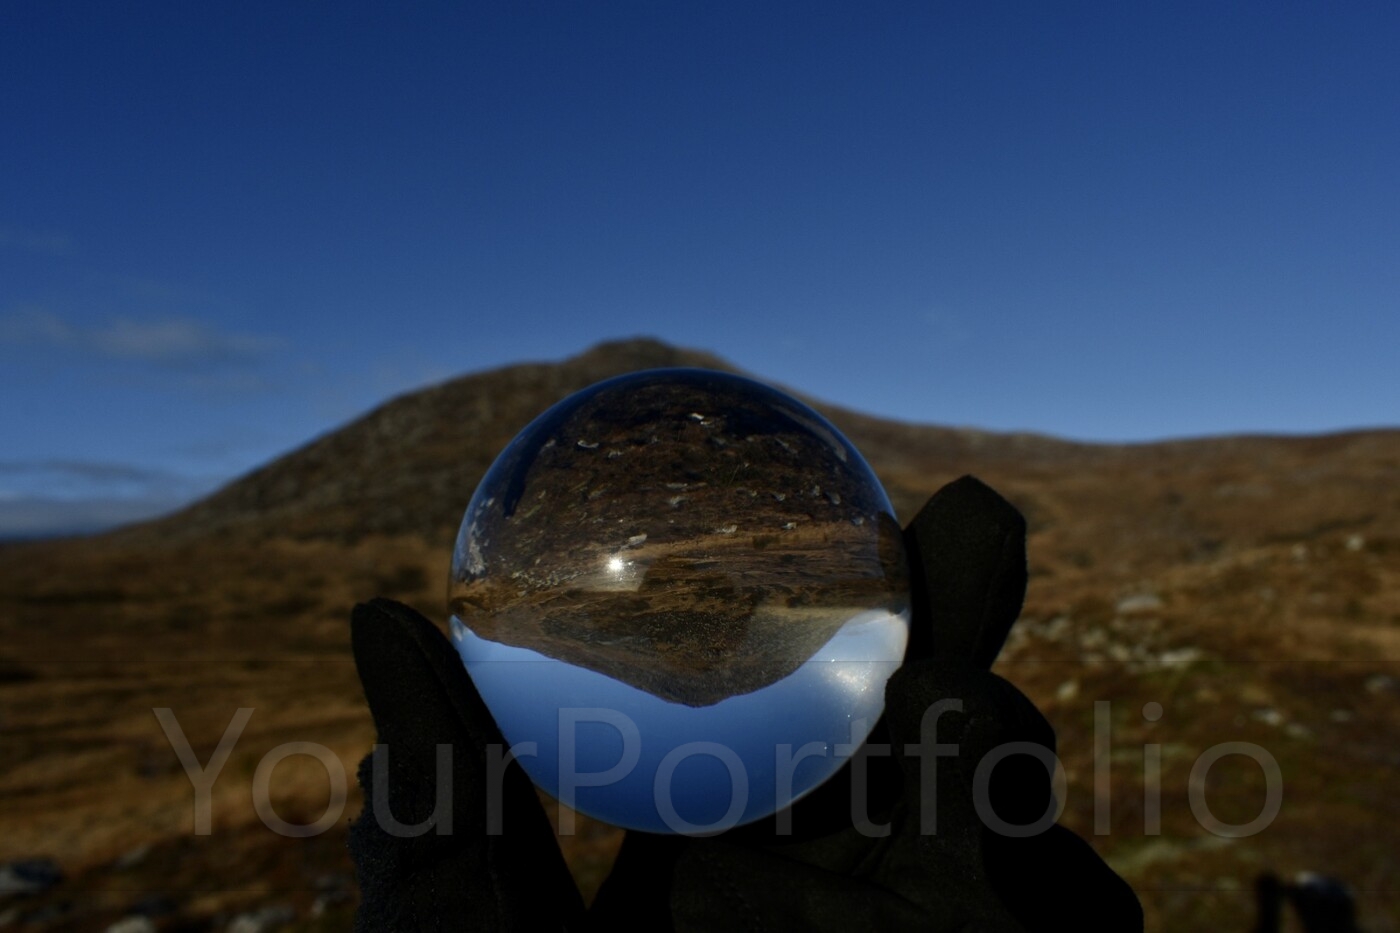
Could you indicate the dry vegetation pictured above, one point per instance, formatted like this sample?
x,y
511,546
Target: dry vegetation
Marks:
x,y
1251,586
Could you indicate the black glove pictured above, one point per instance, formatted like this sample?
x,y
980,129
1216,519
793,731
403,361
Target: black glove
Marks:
x,y
823,865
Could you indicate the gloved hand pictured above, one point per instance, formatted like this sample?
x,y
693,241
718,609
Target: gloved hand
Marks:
x,y
927,843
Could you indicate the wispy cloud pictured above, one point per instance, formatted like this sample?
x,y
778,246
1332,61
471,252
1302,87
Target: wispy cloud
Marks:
x,y
34,241
84,479
49,518
176,342
54,497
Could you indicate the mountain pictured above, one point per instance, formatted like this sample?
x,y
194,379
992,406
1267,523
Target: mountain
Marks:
x,y
409,467
1249,585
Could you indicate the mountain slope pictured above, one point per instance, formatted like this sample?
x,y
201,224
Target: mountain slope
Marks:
x,y
410,466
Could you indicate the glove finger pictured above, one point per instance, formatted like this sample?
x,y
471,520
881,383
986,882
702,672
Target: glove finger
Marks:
x,y
637,892
967,563
1042,881
719,886
438,845
1003,818
972,749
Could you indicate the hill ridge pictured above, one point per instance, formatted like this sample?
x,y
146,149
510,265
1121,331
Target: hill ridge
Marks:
x,y
409,465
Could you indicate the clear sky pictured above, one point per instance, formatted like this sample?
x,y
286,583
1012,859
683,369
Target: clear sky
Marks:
x,y
228,227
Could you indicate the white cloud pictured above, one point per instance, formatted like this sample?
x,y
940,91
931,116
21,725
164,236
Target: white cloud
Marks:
x,y
85,479
57,497
166,341
174,340
47,518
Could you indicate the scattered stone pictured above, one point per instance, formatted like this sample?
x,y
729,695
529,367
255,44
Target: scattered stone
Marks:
x,y
1341,715
131,858
1300,553
1271,717
1297,730
137,924
332,881
1380,683
1355,542
334,890
1178,658
262,920
1067,691
29,876
1139,604
328,900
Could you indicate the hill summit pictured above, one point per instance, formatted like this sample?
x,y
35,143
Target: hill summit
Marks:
x,y
409,467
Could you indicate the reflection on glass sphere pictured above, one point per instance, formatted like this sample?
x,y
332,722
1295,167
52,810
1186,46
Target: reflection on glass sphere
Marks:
x,y
687,589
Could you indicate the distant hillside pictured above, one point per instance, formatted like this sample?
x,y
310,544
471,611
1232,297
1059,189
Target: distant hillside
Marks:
x,y
410,466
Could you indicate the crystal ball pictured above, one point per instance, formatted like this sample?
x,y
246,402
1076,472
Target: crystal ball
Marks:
x,y
680,594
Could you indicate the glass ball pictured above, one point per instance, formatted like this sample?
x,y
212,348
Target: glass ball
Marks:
x,y
683,591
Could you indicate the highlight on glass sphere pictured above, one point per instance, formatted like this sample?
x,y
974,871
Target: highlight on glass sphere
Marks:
x,y
687,589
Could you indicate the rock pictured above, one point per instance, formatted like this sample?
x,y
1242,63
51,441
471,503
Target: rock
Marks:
x,y
327,900
131,858
137,924
1178,658
1380,683
1355,542
1067,691
1139,604
332,881
262,920
1270,717
335,890
29,876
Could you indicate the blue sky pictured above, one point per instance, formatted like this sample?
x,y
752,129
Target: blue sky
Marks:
x,y
226,228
